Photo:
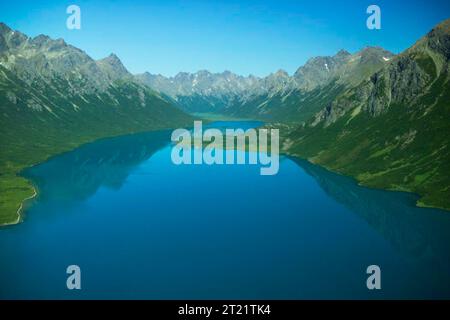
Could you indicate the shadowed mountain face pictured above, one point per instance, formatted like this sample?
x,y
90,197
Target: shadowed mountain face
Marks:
x,y
420,233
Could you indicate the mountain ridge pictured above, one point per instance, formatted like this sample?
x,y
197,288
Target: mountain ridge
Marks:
x,y
54,98
241,96
372,115
391,130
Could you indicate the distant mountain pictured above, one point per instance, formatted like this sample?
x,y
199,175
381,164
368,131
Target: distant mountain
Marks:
x,y
113,68
379,117
319,70
277,96
202,91
217,92
313,86
392,130
55,97
343,67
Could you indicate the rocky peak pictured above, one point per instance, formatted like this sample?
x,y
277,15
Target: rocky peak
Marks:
x,y
438,39
113,66
342,53
4,28
40,40
112,59
441,28
342,57
281,74
319,70
202,74
10,39
374,53
182,76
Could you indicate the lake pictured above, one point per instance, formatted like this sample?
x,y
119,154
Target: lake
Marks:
x,y
141,227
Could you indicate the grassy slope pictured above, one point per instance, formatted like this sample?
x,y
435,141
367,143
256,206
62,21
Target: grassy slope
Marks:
x,y
29,137
406,148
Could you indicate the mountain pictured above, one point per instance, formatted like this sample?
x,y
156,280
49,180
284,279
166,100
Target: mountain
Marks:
x,y
344,67
391,130
55,97
313,85
378,117
275,97
319,70
113,68
202,91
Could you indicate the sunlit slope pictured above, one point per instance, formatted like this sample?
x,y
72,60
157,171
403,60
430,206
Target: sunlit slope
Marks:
x,y
393,130
54,97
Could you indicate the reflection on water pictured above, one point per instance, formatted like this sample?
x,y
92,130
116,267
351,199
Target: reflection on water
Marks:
x,y
419,232
142,227
105,163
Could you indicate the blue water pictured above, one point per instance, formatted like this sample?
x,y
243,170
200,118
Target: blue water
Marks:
x,y
141,227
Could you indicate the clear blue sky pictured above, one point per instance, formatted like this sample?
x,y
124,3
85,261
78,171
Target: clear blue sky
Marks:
x,y
246,37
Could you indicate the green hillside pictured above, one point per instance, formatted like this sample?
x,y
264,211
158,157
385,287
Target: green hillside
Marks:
x,y
393,130
36,124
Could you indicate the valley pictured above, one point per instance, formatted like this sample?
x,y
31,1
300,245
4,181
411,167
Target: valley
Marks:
x,y
54,97
378,117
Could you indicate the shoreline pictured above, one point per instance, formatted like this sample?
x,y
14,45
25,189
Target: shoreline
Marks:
x,y
20,209
78,145
418,203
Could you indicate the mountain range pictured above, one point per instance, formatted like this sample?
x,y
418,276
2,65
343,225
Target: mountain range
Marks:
x,y
379,117
391,130
55,97
275,97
